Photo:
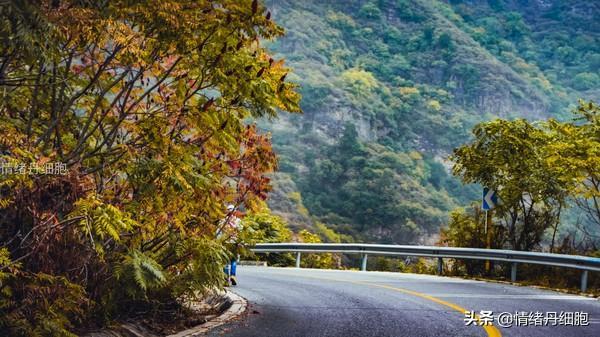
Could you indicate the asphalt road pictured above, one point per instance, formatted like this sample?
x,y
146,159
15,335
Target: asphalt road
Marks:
x,y
291,302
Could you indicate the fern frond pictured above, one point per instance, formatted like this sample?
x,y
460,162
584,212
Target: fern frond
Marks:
x,y
100,221
139,273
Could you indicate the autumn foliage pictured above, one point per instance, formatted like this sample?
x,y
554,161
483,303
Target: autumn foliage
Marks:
x,y
146,103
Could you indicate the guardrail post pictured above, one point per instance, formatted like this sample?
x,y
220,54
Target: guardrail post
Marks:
x,y
363,265
440,268
298,254
584,279
513,272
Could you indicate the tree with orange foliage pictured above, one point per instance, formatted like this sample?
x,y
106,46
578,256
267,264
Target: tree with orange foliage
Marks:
x,y
142,106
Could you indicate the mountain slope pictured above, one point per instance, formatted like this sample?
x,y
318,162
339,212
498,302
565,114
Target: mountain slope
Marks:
x,y
390,87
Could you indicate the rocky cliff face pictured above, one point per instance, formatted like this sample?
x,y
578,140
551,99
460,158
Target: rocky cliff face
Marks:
x,y
425,43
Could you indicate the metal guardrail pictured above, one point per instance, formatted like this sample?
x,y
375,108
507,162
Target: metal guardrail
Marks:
x,y
512,256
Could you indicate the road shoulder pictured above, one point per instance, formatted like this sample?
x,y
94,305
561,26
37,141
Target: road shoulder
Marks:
x,y
238,306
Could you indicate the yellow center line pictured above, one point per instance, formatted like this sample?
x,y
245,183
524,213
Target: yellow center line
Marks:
x,y
491,330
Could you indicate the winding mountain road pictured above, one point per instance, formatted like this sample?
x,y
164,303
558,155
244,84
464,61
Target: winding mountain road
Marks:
x,y
290,302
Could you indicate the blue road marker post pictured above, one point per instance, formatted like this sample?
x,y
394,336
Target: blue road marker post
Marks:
x,y
488,202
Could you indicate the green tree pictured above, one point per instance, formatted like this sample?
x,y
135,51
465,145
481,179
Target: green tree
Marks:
x,y
445,41
511,157
575,151
466,228
370,11
322,261
515,25
264,227
586,80
349,145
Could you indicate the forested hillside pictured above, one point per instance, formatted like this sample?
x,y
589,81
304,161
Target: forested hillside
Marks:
x,y
391,87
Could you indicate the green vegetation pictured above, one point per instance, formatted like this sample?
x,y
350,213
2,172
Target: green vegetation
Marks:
x,y
264,227
373,190
536,169
143,108
316,260
411,78
539,171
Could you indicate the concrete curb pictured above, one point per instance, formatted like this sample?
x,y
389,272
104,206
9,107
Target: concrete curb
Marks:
x,y
252,263
238,306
